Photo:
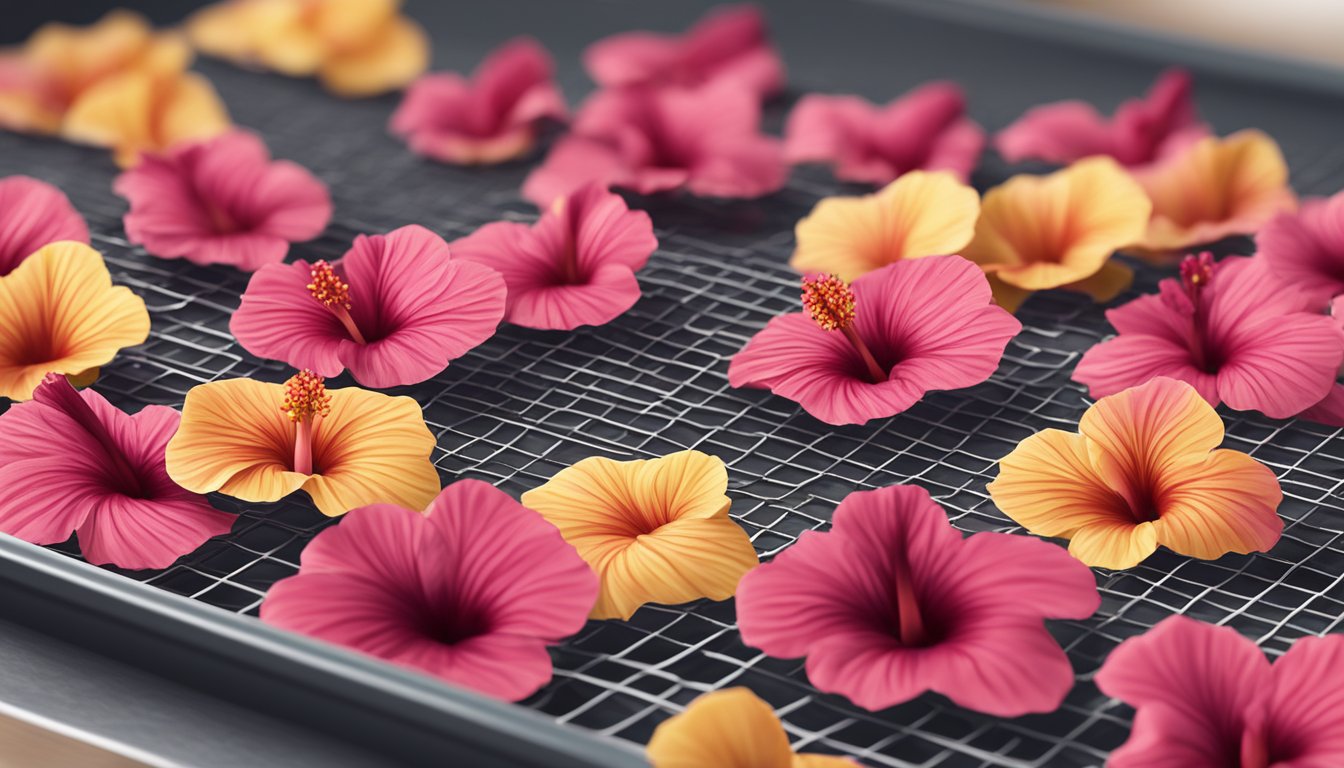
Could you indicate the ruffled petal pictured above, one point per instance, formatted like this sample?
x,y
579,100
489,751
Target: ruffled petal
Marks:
x,y
235,439
1056,133
1304,716
1047,484
59,312
729,728
33,214
278,319
44,499
369,449
1306,249
919,214
389,58
1192,684
1224,503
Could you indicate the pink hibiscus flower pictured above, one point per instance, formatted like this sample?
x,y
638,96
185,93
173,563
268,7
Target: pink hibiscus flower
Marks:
x,y
926,129
893,602
32,214
1306,249
873,349
1229,330
493,117
1206,697
394,310
1141,132
470,591
706,140
104,480
575,266
222,201
730,44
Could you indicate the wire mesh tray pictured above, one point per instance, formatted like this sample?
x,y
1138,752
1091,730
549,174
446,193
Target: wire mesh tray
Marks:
x,y
528,403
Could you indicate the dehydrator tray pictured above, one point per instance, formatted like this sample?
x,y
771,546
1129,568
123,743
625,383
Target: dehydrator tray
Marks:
x,y
528,403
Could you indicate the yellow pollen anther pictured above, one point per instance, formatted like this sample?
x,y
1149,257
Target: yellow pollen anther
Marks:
x,y
327,287
305,397
829,301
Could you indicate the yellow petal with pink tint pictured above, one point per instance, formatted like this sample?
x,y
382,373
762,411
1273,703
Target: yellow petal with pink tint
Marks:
x,y
655,531
136,111
60,313
77,57
1216,188
372,449
234,438
346,24
287,43
919,214
1136,437
1225,502
731,728
1047,484
1039,232
396,54
1115,545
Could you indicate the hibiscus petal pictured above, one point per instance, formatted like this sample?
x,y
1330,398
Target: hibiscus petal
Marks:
x,y
387,59
43,500
729,728
278,319
1305,711
574,161
235,439
919,214
59,312
1281,364
370,616
1114,544
1056,133
1001,669
32,214
1224,503
1047,484
1329,411
481,546
996,570
1192,684
369,449
373,543
1131,359
515,81
1306,249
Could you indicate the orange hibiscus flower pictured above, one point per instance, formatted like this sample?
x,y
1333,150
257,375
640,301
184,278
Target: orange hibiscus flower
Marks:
x,y
1059,231
1142,471
919,214
731,728
356,47
655,531
346,448
60,313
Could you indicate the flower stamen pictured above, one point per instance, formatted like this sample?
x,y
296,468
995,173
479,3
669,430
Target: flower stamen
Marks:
x,y
569,259
833,307
1196,276
306,400
334,294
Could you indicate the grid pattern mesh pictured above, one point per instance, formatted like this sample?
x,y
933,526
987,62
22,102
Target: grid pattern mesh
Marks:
x,y
527,403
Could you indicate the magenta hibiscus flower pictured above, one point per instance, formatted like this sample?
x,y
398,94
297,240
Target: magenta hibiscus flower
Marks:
x,y
729,44
493,117
706,140
222,201
394,310
575,266
1206,697
1229,330
472,590
104,480
1141,132
32,214
872,350
926,129
1306,249
893,602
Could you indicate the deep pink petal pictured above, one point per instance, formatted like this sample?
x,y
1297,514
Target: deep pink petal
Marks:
x,y
933,322
372,541
605,230
1304,715
482,547
957,150
728,43
998,569
43,500
222,201
1281,364
1144,128
1330,410
1192,684
516,85
278,319
573,162
32,214
824,128
420,310
609,292
750,167
1056,133
1306,249
507,667
1131,359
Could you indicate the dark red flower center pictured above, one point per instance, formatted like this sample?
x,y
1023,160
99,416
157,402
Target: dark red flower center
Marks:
x,y
451,624
833,307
